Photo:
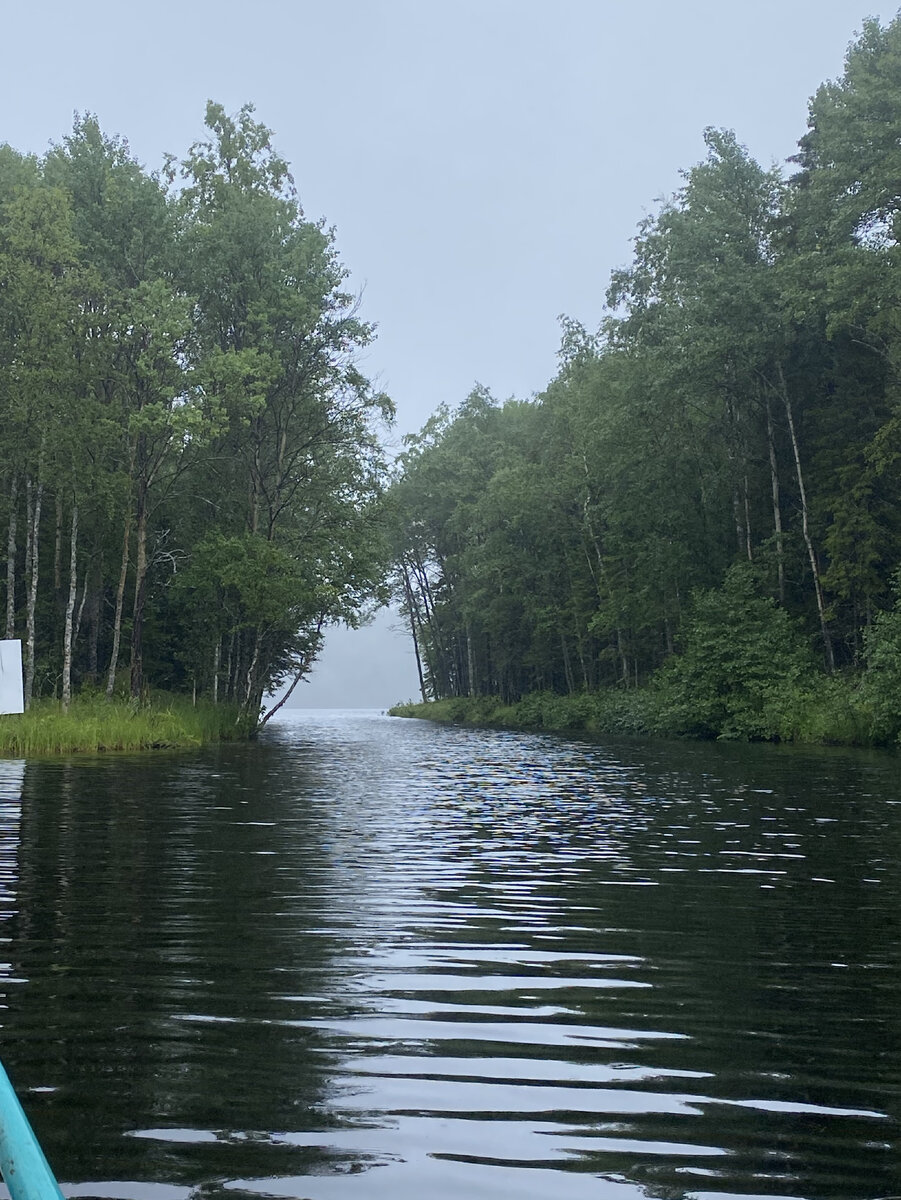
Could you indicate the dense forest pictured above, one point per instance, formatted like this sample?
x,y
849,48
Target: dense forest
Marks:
x,y
699,519
695,528
191,473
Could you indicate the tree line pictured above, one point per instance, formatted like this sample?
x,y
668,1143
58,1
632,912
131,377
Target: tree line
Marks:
x,y
191,472
707,496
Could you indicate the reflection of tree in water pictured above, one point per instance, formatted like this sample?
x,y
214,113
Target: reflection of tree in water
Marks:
x,y
167,915
12,774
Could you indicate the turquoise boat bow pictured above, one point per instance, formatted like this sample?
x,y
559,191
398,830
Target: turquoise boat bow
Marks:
x,y
25,1170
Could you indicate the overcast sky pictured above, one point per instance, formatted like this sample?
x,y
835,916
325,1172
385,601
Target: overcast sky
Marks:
x,y
484,162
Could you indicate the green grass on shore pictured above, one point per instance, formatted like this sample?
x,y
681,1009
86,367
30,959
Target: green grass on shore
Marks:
x,y
93,724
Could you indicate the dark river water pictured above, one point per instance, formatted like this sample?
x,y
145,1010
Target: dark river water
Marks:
x,y
371,958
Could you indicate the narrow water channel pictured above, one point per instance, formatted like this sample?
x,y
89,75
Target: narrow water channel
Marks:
x,y
371,959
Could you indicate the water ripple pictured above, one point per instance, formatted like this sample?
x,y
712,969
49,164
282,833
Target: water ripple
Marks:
x,y
382,959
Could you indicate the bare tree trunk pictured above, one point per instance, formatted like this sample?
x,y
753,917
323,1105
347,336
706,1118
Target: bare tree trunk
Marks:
x,y
304,668
439,661
805,529
736,513
441,667
216,654
250,685
32,567
94,594
120,603
460,672
229,677
601,573
777,510
29,528
137,612
581,650
470,663
411,609
58,547
747,501
732,435
567,666
78,616
94,634
70,610
256,472
11,557
272,711
238,666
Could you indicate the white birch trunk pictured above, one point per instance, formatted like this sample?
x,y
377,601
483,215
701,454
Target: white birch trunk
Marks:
x,y
34,547
777,508
120,604
805,529
11,558
70,612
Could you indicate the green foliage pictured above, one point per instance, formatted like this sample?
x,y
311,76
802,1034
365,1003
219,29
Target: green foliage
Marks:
x,y
831,715
745,667
94,725
179,386
701,511
880,692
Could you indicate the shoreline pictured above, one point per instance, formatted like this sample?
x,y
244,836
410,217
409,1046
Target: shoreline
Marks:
x,y
633,713
95,725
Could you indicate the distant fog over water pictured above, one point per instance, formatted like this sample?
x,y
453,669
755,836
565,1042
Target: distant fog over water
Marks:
x,y
372,667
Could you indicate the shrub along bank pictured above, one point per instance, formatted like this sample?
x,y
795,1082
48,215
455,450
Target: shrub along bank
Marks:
x,y
745,671
834,716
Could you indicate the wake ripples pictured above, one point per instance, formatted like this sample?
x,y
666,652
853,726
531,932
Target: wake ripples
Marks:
x,y
394,960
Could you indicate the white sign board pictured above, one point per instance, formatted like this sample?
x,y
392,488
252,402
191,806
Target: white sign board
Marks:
x,y
12,699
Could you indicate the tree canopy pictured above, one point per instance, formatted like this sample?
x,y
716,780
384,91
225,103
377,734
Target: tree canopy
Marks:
x,y
193,477
718,466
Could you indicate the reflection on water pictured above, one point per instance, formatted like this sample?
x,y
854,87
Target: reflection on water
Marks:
x,y
373,958
12,773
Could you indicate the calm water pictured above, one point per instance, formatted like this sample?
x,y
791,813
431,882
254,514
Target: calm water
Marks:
x,y
373,959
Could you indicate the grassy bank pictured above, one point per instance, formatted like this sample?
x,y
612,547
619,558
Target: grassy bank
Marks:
x,y
94,724
833,714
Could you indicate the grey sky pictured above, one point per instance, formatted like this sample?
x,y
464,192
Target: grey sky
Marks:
x,y
484,162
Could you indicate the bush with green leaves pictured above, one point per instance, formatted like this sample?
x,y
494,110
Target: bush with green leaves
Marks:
x,y
880,691
746,670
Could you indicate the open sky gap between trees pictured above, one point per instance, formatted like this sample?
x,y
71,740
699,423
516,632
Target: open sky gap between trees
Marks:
x,y
695,528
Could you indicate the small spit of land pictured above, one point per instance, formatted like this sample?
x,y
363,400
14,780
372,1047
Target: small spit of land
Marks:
x,y
94,724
